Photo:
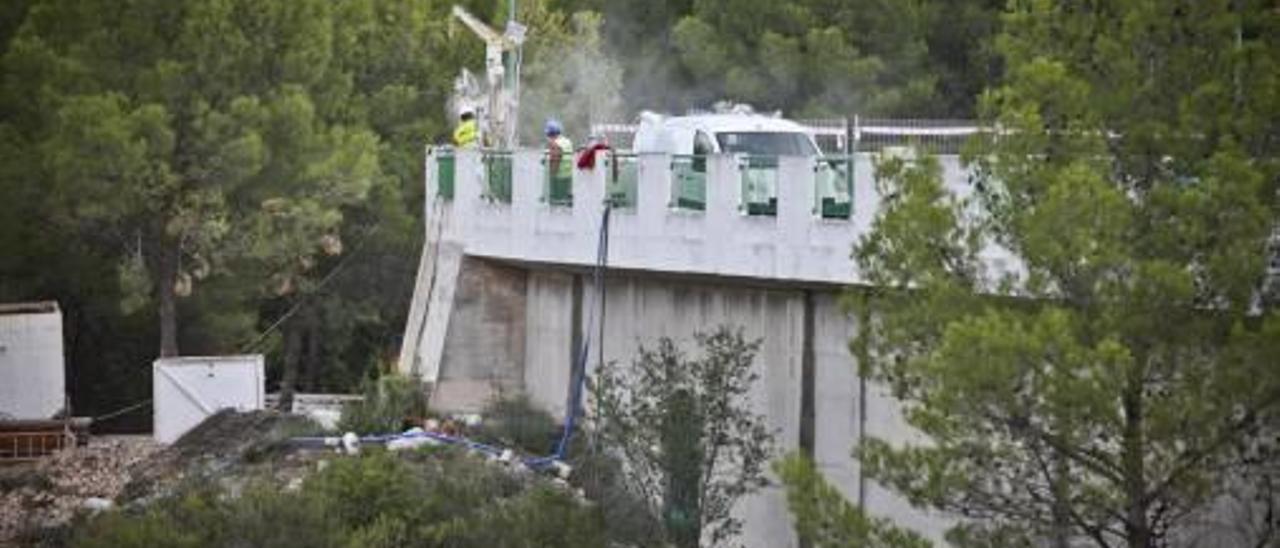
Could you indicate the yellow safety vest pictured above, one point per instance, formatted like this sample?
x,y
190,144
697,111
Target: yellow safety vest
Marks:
x,y
464,136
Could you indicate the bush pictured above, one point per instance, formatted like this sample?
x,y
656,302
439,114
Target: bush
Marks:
x,y
602,479
517,422
387,402
433,497
685,427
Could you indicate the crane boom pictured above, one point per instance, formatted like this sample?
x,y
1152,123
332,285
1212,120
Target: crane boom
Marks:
x,y
485,32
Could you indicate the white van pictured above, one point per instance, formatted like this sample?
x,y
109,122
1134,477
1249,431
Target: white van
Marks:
x,y
700,135
757,141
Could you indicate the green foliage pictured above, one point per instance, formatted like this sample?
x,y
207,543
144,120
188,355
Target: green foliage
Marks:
x,y
824,518
203,165
600,474
198,148
1135,180
913,58
239,151
387,402
566,74
684,427
381,499
515,421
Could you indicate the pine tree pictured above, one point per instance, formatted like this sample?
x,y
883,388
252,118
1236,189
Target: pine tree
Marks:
x,y
1112,385
193,134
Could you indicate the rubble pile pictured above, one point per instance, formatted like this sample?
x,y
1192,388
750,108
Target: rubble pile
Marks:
x,y
47,493
223,447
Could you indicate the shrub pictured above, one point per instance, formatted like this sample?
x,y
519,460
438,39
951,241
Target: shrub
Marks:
x,y
601,478
516,422
823,517
387,402
685,428
432,497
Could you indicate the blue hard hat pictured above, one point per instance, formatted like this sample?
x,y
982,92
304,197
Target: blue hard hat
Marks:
x,y
553,127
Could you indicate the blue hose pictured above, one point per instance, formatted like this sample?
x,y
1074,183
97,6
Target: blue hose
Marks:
x,y
572,410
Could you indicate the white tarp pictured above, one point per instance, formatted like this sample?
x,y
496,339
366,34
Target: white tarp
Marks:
x,y
187,390
31,364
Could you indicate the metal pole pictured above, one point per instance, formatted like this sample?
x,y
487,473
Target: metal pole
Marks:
x,y
850,149
513,58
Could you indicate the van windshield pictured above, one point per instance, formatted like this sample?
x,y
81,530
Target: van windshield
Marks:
x,y
766,144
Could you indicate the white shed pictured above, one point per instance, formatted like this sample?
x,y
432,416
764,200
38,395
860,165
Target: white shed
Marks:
x,y
187,390
32,385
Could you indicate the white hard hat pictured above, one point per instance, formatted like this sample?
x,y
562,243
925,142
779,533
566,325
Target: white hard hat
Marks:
x,y
466,110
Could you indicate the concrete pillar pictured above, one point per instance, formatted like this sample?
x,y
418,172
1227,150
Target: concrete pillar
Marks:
x,y
484,352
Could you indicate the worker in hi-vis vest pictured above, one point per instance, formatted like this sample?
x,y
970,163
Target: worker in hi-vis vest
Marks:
x,y
559,163
467,134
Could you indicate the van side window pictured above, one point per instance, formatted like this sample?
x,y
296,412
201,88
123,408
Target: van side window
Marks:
x,y
702,147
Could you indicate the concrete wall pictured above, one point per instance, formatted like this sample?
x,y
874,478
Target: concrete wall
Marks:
x,y
642,310
795,245
31,361
549,338
777,277
484,348
836,392
842,417
516,327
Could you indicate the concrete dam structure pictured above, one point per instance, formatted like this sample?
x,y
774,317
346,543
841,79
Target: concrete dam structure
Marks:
x,y
504,293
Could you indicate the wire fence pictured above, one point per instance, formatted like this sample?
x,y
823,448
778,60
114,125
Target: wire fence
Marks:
x,y
836,136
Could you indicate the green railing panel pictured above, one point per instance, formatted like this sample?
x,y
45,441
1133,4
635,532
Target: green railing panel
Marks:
x,y
622,178
446,166
833,195
497,177
689,182
759,184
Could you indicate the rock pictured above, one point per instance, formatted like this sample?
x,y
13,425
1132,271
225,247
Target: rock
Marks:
x,y
47,493
562,469
97,504
225,441
351,443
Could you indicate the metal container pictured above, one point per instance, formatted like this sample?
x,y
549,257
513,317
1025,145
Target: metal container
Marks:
x,y
32,382
185,391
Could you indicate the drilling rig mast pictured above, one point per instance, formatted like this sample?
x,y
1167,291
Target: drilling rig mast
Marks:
x,y
497,105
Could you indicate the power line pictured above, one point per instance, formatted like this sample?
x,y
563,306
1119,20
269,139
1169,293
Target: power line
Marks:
x,y
122,411
303,300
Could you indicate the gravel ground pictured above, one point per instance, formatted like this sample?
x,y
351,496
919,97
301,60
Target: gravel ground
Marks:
x,y
47,493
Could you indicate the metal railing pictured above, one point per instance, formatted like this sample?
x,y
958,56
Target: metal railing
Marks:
x,y
622,179
688,182
833,187
759,179
446,173
934,136
497,176
24,446
927,136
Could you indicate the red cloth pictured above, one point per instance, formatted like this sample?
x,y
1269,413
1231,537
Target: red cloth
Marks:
x,y
587,160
